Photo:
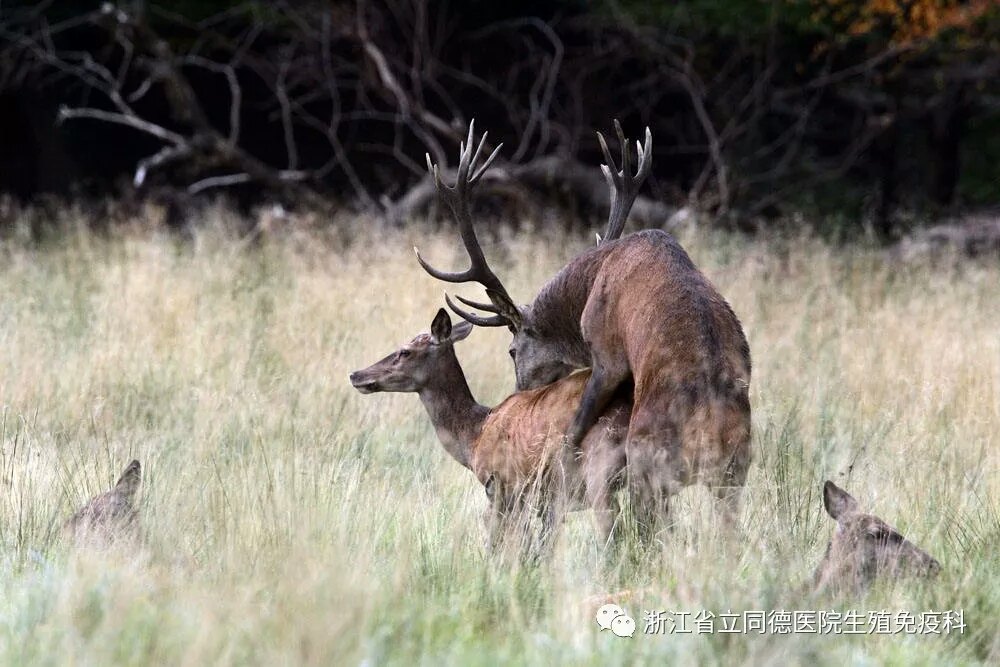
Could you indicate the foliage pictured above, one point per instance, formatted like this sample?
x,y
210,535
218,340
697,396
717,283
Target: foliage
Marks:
x,y
906,23
759,108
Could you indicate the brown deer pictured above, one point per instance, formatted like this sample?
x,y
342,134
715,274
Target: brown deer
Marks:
x,y
865,547
636,311
507,447
111,516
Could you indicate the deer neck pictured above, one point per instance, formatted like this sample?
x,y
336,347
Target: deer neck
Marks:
x,y
457,417
559,305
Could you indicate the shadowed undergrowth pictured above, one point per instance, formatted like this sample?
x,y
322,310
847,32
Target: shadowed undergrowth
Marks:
x,y
290,519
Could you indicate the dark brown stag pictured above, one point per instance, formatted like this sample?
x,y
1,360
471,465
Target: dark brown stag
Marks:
x,y
635,310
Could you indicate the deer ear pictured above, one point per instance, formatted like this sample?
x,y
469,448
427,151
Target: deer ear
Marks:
x,y
837,501
128,483
441,326
461,331
506,308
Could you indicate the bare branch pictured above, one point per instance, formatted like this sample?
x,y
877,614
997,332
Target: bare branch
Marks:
x,y
288,175
286,115
235,91
65,113
218,182
164,156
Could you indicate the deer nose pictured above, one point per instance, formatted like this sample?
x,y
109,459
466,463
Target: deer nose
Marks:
x,y
933,568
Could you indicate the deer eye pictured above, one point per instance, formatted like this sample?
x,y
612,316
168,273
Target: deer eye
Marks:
x,y
885,534
403,354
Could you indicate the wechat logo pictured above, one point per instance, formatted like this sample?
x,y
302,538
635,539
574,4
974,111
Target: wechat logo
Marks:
x,y
612,617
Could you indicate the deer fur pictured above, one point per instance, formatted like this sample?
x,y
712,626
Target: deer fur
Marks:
x,y
508,448
864,547
637,312
110,516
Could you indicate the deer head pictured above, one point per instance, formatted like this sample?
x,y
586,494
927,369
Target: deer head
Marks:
x,y
865,547
111,515
540,351
413,365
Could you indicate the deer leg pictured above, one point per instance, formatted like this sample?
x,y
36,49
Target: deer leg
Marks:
x,y
651,509
493,521
656,469
552,516
661,451
606,511
502,516
603,468
608,361
604,380
513,531
729,491
728,500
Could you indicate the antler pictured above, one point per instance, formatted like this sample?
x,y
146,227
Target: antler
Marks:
x,y
457,198
623,185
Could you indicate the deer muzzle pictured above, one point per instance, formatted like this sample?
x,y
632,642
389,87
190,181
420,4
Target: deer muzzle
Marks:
x,y
364,383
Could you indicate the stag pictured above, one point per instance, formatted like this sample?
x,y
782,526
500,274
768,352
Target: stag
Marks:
x,y
639,313
508,448
110,516
865,547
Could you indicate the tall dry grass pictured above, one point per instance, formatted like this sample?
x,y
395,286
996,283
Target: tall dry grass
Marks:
x,y
290,520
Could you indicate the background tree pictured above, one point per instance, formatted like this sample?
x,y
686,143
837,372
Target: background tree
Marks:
x,y
759,109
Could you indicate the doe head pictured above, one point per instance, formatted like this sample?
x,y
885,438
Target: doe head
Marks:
x,y
864,547
410,368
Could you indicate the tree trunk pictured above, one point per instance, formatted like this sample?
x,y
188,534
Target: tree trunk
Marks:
x,y
947,127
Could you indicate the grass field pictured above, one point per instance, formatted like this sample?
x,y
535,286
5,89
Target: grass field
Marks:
x,y
289,519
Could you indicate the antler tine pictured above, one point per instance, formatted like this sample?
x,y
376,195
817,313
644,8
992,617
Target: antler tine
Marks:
x,y
626,156
465,158
488,307
623,185
432,169
645,154
608,161
479,149
486,165
478,320
457,198
445,276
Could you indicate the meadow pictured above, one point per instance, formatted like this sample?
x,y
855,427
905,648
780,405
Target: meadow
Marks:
x,y
289,519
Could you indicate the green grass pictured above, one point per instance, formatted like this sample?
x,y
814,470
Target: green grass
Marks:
x,y
289,519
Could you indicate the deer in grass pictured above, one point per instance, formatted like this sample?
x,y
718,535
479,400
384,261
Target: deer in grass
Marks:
x,y
110,516
639,313
864,547
508,447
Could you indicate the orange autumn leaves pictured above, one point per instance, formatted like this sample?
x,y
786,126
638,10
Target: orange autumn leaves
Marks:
x,y
907,22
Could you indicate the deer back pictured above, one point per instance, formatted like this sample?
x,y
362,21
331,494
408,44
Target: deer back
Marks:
x,y
520,435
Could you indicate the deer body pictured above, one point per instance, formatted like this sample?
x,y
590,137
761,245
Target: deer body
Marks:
x,y
520,436
509,448
638,312
110,516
